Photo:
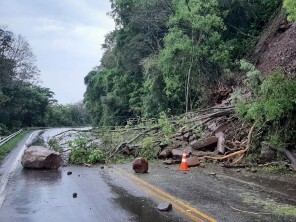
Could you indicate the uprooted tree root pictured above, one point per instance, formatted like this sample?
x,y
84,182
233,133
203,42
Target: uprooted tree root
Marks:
x,y
219,122
242,153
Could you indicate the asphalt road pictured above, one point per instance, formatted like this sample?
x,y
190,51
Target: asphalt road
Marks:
x,y
43,195
116,193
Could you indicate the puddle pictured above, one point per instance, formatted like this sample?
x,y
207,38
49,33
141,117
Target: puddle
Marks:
x,y
143,209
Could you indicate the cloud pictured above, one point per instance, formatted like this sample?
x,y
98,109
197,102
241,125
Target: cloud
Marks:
x,y
66,37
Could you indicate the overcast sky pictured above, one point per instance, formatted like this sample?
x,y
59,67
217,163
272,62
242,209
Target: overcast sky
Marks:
x,y
66,37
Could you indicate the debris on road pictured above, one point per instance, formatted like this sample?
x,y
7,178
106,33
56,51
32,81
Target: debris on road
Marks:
x,y
74,195
87,165
169,162
38,157
165,154
165,207
193,161
69,173
140,165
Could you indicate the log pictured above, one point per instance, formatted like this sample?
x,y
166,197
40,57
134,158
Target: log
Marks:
x,y
291,157
240,151
220,144
121,145
211,116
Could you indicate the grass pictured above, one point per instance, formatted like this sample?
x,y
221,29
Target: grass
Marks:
x,y
274,170
6,148
271,205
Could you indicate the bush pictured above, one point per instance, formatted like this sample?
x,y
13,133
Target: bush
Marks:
x,y
273,105
96,156
149,149
83,152
78,155
290,6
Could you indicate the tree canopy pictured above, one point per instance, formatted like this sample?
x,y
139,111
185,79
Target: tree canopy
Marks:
x,y
168,55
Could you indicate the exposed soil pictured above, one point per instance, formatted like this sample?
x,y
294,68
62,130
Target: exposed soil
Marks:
x,y
277,47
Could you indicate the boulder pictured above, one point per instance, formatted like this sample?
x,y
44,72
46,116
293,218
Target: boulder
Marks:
x,y
193,161
140,165
38,157
165,154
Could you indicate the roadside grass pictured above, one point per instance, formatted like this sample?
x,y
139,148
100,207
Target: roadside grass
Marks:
x,y
10,145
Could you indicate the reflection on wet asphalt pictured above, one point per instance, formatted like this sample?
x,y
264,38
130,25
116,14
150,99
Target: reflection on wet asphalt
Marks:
x,y
46,195
142,208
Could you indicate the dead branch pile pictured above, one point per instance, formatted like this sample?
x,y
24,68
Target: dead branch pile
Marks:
x,y
213,134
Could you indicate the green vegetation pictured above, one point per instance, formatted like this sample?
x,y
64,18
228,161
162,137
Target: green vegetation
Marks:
x,y
270,205
290,6
22,101
273,169
169,55
11,144
83,152
272,105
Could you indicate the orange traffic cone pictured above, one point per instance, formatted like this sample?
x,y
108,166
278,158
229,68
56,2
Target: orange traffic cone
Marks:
x,y
184,165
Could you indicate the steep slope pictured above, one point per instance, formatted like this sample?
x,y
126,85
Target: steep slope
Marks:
x,y
277,47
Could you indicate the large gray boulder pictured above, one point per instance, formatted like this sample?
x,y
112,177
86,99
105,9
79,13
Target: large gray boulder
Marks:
x,y
38,157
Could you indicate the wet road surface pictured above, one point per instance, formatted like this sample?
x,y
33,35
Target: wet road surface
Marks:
x,y
116,193
43,195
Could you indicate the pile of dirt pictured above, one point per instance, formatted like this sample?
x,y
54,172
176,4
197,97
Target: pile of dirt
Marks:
x,y
277,47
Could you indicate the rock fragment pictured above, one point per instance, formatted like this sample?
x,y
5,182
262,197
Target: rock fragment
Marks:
x,y
193,161
69,173
178,153
165,154
74,195
165,207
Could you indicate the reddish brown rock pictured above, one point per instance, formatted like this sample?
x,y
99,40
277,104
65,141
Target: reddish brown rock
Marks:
x,y
38,157
165,154
193,161
140,165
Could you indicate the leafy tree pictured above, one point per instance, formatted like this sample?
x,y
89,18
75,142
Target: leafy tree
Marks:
x,y
167,55
194,52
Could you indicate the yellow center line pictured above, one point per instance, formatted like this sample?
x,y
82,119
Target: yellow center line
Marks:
x,y
175,206
170,197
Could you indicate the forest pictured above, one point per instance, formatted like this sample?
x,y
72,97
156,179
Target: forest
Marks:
x,y
171,55
23,102
163,57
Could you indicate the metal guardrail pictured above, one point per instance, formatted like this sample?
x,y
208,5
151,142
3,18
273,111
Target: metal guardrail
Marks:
x,y
6,139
